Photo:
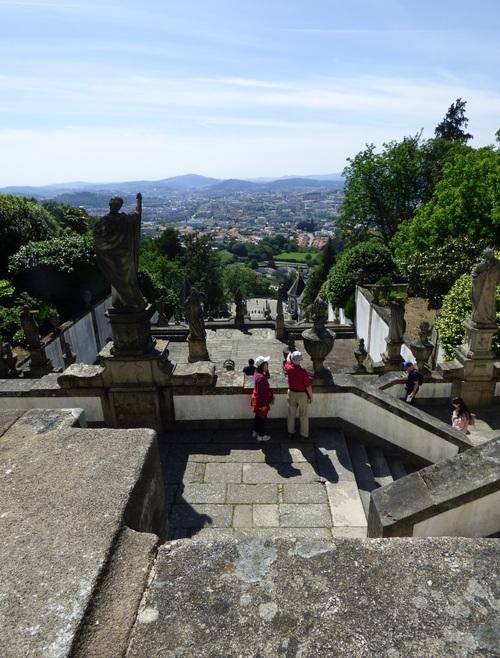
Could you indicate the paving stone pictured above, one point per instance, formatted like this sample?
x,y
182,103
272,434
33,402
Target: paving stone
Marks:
x,y
297,492
279,473
282,533
202,493
304,515
218,452
304,453
201,515
177,472
170,491
345,505
242,516
349,531
252,493
227,473
213,533
266,516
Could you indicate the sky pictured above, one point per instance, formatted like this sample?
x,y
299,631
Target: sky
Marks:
x,y
124,90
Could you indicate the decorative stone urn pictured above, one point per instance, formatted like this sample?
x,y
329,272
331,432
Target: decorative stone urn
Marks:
x,y
318,341
422,348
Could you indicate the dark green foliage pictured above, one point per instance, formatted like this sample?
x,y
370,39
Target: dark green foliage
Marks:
x,y
242,277
452,126
319,274
372,257
432,273
167,244
22,221
203,268
11,304
69,218
58,271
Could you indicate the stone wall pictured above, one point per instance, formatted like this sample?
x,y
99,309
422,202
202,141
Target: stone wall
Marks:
x,y
457,497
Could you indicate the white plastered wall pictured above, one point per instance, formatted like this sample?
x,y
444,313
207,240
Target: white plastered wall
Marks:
x,y
479,518
91,406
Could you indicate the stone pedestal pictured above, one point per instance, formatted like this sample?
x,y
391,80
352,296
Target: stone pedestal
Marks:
x,y
239,320
475,365
318,341
197,350
478,339
391,358
131,332
40,364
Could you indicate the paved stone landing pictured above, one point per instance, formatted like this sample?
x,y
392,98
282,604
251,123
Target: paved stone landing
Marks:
x,y
226,484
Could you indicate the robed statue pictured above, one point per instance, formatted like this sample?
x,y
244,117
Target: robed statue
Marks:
x,y
397,322
116,244
194,315
485,279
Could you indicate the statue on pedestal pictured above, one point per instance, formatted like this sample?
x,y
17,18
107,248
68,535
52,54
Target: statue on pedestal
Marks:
x,y
30,327
397,322
116,244
194,315
485,278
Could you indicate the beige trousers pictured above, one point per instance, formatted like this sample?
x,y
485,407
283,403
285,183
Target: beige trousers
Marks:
x,y
298,401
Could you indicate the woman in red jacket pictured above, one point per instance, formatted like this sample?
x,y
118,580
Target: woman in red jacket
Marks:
x,y
262,398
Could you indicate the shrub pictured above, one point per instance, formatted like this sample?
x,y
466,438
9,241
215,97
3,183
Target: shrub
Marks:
x,y
373,257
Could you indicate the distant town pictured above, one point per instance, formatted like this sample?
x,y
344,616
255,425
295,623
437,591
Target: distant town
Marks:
x,y
302,209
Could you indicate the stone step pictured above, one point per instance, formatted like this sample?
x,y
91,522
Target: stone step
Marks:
x,y
380,468
362,470
396,467
346,508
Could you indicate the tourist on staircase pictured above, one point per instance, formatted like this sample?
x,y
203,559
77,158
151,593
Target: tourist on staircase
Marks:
x,y
262,398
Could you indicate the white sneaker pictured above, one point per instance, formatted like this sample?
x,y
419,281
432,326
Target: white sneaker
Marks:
x,y
266,437
254,434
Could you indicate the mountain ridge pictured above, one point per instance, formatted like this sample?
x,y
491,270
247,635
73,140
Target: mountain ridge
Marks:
x,y
182,183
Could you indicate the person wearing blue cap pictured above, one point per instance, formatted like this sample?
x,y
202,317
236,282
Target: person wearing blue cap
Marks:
x,y
414,380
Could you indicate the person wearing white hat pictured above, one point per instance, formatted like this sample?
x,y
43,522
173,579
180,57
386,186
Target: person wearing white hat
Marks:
x,y
299,395
262,398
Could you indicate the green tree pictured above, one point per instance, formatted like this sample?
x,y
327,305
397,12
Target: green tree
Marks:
x,y
466,202
242,277
168,244
203,267
22,221
372,257
453,125
319,274
382,190
69,218
58,271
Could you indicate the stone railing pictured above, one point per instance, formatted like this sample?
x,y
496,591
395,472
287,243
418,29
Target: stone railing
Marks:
x,y
439,501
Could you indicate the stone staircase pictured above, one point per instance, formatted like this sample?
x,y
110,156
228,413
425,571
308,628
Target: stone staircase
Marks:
x,y
372,468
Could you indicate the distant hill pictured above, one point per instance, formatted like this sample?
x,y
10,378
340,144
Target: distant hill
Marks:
x,y
183,183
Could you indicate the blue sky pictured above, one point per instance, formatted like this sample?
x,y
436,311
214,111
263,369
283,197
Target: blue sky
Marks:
x,y
128,90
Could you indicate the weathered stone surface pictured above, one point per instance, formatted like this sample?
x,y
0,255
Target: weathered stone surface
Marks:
x,y
468,477
312,597
66,494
